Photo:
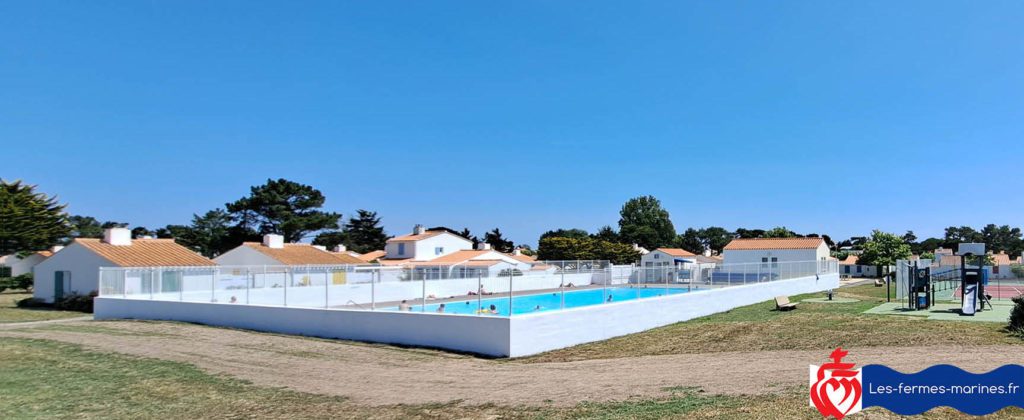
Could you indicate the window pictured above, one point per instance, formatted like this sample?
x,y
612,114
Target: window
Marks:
x,y
846,269
995,269
5,271
656,256
439,250
775,262
859,269
401,249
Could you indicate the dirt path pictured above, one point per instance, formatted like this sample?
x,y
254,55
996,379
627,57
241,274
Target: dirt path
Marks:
x,y
16,325
381,375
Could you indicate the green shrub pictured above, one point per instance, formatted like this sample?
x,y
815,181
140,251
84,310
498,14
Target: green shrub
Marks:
x,y
23,281
76,302
1017,317
33,303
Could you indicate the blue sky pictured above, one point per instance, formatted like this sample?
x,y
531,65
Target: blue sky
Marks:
x,y
829,117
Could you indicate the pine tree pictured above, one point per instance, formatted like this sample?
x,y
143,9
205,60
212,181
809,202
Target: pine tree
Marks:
x,y
29,221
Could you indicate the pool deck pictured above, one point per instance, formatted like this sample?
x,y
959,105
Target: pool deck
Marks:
x,y
463,298
947,311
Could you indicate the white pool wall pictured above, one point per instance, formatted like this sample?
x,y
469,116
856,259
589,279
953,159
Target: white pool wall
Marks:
x,y
521,335
544,331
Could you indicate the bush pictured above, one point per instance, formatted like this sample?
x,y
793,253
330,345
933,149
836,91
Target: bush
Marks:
x,y
23,281
76,302
33,303
1017,317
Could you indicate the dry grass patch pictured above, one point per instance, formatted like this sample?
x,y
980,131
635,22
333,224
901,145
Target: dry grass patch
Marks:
x,y
811,326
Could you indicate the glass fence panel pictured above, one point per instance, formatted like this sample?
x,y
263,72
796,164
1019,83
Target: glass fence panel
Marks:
x,y
479,288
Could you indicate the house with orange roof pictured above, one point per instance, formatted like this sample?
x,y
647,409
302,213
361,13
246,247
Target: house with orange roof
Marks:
x,y
1000,266
482,262
373,256
76,267
850,268
775,250
273,251
423,244
15,265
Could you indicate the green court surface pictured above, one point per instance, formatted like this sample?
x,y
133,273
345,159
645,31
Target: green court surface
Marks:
x,y
835,299
948,311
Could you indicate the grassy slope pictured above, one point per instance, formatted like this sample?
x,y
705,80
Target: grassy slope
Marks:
x,y
44,379
11,313
811,326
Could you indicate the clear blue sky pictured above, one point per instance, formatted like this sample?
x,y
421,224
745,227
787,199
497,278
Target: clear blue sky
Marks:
x,y
829,117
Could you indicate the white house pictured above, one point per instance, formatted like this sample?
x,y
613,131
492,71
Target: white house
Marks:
x,y
775,250
273,251
482,262
14,265
75,268
423,245
850,268
663,257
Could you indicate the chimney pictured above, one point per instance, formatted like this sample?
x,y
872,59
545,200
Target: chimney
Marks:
x,y
146,237
56,248
517,251
273,241
340,248
483,246
418,230
320,247
118,236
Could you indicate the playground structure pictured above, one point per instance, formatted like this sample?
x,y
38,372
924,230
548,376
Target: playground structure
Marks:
x,y
920,285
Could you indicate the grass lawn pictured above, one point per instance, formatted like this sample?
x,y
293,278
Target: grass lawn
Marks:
x,y
811,326
11,313
45,379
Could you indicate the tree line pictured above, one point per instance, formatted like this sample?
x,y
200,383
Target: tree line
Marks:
x,y
30,221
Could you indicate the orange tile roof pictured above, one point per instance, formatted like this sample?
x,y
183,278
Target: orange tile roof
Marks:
x,y
953,260
372,255
459,256
850,260
1000,258
464,263
773,243
393,261
415,237
677,252
523,258
146,253
45,254
301,254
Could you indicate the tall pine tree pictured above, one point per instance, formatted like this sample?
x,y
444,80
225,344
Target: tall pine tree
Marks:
x,y
29,221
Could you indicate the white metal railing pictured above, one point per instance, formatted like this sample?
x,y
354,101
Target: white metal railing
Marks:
x,y
470,288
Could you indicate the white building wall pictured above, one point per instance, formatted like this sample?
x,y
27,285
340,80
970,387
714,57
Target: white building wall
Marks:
x,y
754,256
83,264
424,249
244,255
21,266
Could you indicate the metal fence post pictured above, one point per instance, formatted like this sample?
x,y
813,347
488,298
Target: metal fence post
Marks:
x,y
373,289
511,272
423,297
249,278
287,279
213,286
479,288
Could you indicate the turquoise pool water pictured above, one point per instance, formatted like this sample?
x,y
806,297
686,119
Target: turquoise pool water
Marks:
x,y
524,304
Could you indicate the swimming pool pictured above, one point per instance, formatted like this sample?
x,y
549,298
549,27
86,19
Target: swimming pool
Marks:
x,y
540,302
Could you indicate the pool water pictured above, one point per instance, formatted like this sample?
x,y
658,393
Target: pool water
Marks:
x,y
524,304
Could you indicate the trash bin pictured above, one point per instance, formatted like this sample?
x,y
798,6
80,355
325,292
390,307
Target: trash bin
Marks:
x,y
922,301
